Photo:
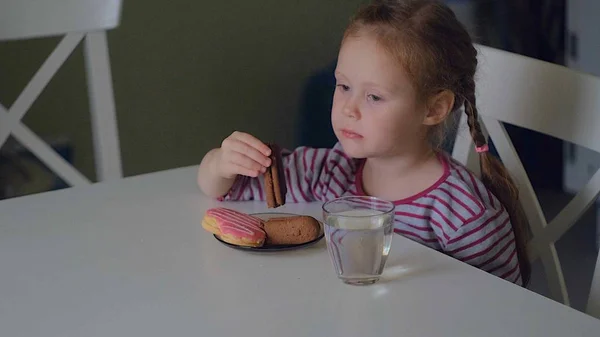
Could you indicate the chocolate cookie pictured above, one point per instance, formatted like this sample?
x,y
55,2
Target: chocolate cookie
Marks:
x,y
275,186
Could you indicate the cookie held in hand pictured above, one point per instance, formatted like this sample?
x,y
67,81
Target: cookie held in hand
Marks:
x,y
275,185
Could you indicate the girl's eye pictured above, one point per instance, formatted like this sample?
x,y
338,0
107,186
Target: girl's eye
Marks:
x,y
343,87
374,98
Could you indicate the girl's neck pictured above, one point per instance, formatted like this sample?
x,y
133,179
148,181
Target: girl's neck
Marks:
x,y
400,164
403,175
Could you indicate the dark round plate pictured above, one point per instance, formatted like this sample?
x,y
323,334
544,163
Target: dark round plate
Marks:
x,y
273,248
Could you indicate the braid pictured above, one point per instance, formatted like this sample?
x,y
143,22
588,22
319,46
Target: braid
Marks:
x,y
496,178
473,116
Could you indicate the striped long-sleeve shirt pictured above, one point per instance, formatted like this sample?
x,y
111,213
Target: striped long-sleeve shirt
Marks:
x,y
457,215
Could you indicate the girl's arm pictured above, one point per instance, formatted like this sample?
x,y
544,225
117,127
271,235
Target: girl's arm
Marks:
x,y
311,174
488,243
209,179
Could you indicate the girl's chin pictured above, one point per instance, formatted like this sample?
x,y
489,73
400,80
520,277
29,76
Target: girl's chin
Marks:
x,y
353,150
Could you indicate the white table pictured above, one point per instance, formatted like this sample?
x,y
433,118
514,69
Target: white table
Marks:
x,y
130,259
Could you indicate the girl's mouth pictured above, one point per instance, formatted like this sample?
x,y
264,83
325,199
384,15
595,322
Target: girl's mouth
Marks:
x,y
351,134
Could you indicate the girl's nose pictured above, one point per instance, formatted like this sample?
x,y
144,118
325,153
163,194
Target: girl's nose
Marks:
x,y
351,109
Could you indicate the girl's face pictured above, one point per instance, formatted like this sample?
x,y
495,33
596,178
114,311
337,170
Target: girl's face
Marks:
x,y
376,111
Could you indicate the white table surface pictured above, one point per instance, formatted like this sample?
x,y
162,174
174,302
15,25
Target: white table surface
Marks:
x,y
130,259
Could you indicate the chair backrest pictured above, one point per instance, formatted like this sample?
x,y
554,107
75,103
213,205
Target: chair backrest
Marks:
x,y
21,19
78,20
549,99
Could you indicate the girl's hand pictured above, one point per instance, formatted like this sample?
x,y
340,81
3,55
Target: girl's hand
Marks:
x,y
242,154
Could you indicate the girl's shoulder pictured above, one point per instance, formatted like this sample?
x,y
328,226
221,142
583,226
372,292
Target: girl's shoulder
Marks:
x,y
465,184
459,199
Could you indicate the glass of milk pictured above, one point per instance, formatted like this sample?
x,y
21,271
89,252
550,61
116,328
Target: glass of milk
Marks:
x,y
358,232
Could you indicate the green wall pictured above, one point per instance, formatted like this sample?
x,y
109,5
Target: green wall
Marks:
x,y
186,74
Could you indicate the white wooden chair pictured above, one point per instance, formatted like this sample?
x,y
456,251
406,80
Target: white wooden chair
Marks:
x,y
555,101
81,20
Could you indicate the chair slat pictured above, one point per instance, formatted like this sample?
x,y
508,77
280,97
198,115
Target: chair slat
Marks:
x,y
23,19
38,82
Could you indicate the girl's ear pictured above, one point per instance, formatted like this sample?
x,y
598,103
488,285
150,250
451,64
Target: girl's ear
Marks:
x,y
438,107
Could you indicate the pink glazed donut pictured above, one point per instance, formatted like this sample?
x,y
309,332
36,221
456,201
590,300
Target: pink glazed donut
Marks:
x,y
234,227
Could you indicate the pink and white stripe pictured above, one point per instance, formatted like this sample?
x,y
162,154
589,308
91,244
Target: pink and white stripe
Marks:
x,y
237,224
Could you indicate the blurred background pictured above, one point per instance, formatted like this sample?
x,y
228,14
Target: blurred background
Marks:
x,y
188,73
185,75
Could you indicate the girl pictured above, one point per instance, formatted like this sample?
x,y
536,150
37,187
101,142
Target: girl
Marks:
x,y
405,68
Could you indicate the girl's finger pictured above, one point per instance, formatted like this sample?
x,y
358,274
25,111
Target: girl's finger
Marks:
x,y
249,151
253,142
240,170
244,161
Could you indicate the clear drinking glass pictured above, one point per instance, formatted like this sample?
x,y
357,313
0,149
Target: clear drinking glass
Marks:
x,y
358,232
